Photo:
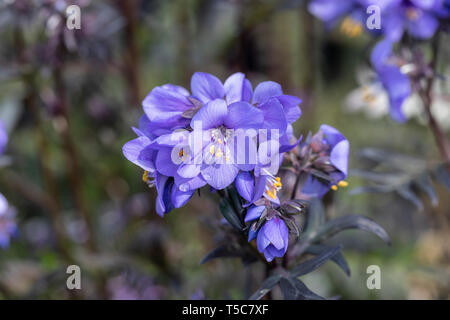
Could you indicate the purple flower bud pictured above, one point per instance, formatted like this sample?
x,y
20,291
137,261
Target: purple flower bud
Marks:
x,y
273,238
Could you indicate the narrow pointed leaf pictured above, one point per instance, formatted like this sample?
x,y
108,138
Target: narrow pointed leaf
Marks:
x,y
338,258
230,215
266,287
331,227
408,194
313,264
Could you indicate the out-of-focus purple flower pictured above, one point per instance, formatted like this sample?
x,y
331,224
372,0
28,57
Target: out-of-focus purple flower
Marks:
x,y
8,225
396,83
420,18
3,138
351,14
323,160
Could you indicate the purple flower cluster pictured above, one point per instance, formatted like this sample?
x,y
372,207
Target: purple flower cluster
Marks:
x,y
217,135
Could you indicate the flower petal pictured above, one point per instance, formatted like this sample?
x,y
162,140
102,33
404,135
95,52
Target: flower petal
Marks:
x,y
332,135
274,117
238,88
180,198
291,107
424,27
242,115
164,105
261,241
211,115
328,10
245,185
138,152
219,176
272,230
266,90
164,163
339,156
254,213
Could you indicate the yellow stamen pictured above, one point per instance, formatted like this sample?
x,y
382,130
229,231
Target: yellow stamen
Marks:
x,y
145,176
343,184
272,193
219,153
211,149
220,141
351,28
334,187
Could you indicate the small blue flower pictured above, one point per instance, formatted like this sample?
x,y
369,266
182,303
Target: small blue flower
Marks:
x,y
325,153
420,18
273,238
396,83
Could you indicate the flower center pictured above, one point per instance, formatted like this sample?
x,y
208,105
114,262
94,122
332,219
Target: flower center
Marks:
x,y
182,155
219,143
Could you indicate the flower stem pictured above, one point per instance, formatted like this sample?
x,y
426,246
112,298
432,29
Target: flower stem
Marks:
x,y
426,94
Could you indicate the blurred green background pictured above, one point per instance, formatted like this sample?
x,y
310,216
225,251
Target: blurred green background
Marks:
x,y
70,97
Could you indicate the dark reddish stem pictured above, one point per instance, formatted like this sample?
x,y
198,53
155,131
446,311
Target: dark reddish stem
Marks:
x,y
426,94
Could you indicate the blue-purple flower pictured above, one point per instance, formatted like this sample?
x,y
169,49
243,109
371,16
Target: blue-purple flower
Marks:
x,y
351,14
3,138
419,18
272,238
323,161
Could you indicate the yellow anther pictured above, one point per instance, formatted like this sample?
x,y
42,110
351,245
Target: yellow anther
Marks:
x,y
334,187
145,176
219,153
412,14
272,193
351,28
343,184
277,183
220,141
211,149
